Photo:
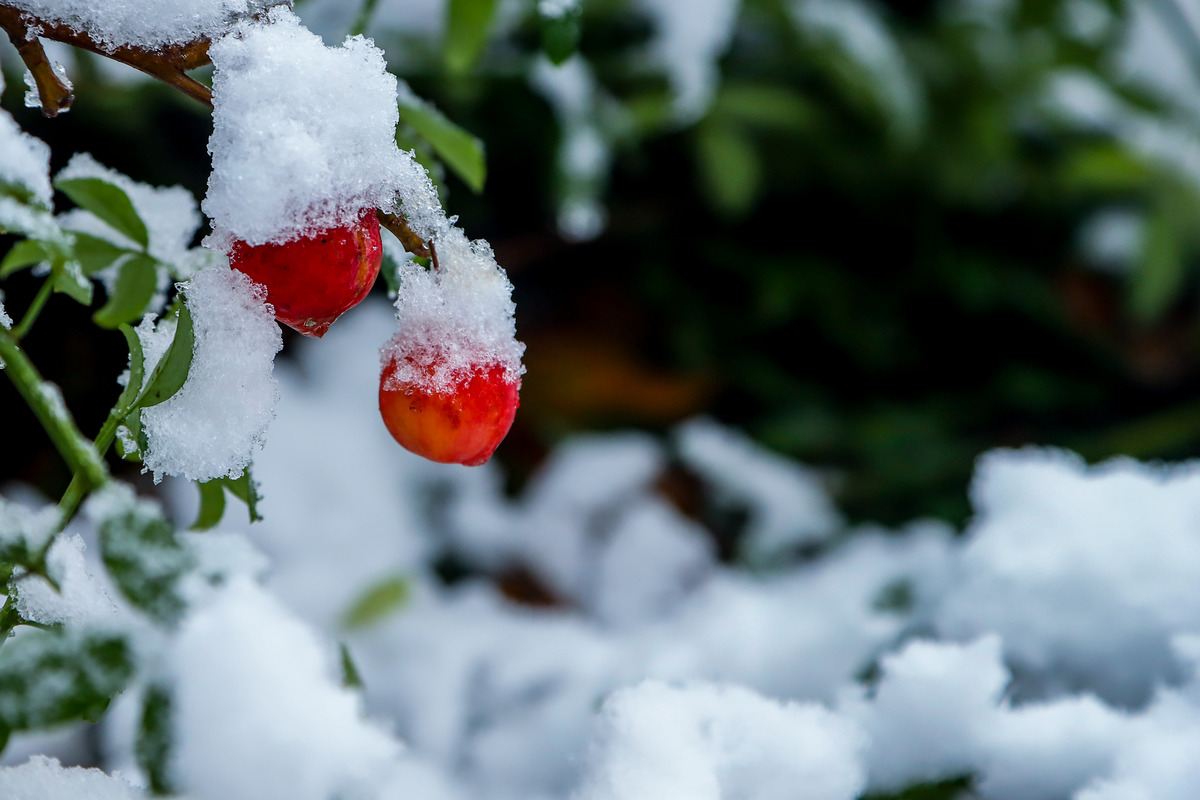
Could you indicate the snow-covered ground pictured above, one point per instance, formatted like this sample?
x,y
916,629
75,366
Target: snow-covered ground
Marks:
x,y
1049,650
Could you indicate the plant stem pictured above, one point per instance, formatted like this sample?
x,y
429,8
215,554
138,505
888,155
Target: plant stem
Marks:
x,y
46,403
35,308
78,487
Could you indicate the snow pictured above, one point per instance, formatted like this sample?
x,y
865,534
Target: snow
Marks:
x,y
218,420
1095,604
300,735
80,600
33,98
5,320
689,39
928,710
151,24
24,164
43,778
584,151
786,502
303,134
856,28
27,526
557,9
706,742
169,212
454,319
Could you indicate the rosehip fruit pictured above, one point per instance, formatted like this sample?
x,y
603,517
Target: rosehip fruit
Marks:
x,y
313,280
463,424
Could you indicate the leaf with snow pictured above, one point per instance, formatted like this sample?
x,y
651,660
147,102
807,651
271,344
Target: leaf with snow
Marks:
x,y
51,677
143,555
107,201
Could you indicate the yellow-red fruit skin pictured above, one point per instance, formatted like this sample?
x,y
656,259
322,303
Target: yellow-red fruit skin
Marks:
x,y
314,279
462,426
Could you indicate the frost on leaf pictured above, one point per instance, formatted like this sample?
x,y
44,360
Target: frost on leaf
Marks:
x,y
140,551
214,424
169,213
79,598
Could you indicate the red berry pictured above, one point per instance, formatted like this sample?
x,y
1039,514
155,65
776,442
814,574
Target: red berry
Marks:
x,y
462,425
314,279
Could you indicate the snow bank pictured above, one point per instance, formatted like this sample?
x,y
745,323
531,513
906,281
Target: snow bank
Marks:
x,y
1085,572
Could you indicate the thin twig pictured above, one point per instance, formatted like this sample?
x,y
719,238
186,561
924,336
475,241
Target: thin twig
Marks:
x,y
397,224
55,93
168,64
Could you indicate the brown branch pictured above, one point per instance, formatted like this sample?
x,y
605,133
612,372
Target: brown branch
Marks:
x,y
55,93
168,64
397,224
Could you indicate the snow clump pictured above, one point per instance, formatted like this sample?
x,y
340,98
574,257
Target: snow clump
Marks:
x,y
43,778
300,735
455,319
214,424
303,134
707,742
1086,572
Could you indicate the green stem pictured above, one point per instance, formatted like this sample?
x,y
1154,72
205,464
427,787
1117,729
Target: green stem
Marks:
x,y
46,403
78,488
35,308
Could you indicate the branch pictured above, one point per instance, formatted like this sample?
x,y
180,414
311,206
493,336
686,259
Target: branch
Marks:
x,y
168,64
397,224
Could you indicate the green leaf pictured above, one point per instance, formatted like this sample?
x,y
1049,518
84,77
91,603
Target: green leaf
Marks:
x,y
24,253
212,505
51,677
137,367
1160,273
560,34
765,106
245,489
351,677
153,745
731,169
172,371
70,280
950,789
132,291
94,253
363,20
109,203
457,148
468,23
145,560
379,600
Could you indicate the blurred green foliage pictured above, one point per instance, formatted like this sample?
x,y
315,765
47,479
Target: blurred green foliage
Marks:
x,y
867,256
